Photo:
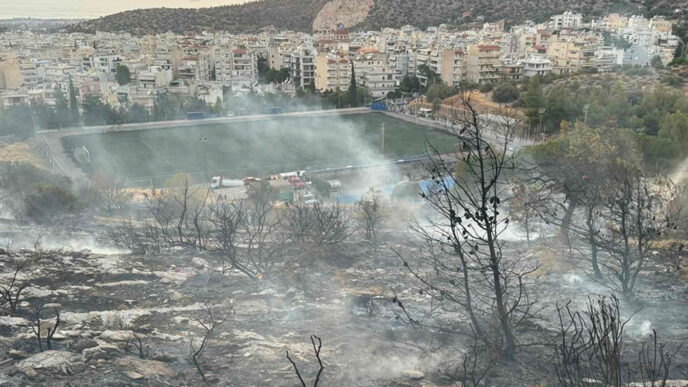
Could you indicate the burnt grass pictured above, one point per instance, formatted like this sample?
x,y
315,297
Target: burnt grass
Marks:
x,y
325,294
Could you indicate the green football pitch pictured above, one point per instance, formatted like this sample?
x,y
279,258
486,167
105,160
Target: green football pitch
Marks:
x,y
256,148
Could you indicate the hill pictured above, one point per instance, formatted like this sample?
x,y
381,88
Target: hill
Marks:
x,y
302,15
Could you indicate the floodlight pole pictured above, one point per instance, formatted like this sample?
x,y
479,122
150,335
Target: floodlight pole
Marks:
x,y
204,140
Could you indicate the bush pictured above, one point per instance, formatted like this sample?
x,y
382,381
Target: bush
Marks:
x,y
486,87
505,92
50,204
322,187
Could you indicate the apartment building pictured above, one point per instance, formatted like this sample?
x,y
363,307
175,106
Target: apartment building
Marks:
x,y
168,59
10,77
104,63
154,78
536,65
512,69
333,71
374,73
16,72
236,68
483,63
301,64
566,20
571,54
449,65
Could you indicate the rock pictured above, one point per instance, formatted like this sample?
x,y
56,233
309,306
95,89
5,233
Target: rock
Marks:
x,y
164,357
413,375
134,375
30,373
17,355
117,335
82,344
176,296
138,251
13,321
200,263
58,336
102,351
148,368
50,360
267,292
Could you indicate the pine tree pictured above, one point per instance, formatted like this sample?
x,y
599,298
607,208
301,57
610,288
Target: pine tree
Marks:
x,y
353,92
73,104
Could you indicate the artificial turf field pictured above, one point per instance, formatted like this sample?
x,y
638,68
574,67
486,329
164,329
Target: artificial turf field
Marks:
x,y
256,148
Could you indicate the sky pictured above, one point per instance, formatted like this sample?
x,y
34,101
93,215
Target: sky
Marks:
x,y
62,9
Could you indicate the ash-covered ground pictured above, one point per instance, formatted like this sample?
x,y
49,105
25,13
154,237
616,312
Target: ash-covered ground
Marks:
x,y
128,319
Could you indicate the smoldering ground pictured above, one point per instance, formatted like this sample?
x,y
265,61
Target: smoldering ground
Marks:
x,y
346,297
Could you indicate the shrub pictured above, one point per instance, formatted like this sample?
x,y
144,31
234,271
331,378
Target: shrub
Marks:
x,y
49,204
505,92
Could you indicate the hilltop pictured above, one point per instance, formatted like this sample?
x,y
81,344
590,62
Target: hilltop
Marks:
x,y
302,15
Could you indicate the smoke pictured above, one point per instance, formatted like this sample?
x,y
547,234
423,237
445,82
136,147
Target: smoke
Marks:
x,y
680,173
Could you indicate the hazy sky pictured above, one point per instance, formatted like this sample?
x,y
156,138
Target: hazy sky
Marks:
x,y
60,9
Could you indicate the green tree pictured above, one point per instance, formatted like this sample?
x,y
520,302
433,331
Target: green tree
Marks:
x,y
62,111
122,75
534,99
656,62
505,92
428,74
96,112
353,93
675,127
138,113
410,84
17,121
439,90
73,104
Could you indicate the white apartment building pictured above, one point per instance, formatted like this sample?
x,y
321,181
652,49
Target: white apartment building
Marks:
x,y
154,78
536,65
374,73
566,20
301,64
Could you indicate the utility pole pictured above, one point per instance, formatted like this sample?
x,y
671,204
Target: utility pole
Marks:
x,y
382,140
204,140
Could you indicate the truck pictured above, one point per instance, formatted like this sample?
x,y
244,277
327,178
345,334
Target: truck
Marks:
x,y
222,182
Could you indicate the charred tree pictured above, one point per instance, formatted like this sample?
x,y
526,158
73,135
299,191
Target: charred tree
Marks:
x,y
464,265
316,350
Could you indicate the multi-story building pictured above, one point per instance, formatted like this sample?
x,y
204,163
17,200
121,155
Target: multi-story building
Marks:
x,y
236,68
154,78
301,64
168,59
105,63
333,72
10,77
536,65
512,69
566,20
571,54
607,58
374,73
449,64
483,63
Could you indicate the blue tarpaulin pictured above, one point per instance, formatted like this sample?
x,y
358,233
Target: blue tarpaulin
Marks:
x,y
430,186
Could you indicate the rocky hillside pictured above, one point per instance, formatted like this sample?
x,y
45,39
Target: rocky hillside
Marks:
x,y
304,15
